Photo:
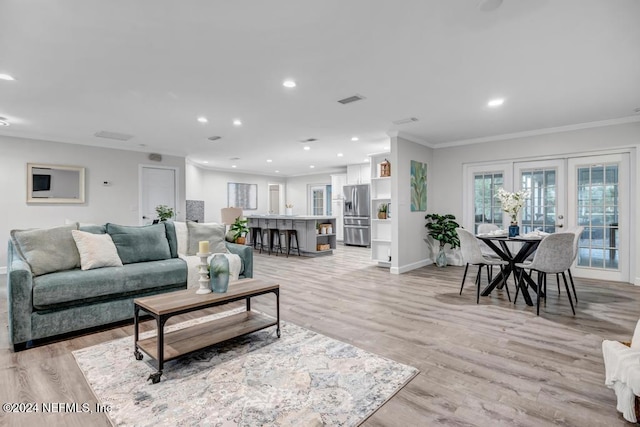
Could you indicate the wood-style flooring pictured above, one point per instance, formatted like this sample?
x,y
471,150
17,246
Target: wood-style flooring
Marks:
x,y
487,364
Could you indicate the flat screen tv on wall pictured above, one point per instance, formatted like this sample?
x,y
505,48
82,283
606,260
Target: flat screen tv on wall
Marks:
x,y
41,182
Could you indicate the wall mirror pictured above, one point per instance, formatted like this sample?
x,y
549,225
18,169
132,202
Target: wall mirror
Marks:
x,y
54,184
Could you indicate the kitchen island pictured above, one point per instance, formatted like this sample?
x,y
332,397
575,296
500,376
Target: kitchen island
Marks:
x,y
316,233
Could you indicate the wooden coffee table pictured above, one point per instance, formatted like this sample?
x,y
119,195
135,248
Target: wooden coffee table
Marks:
x,y
164,347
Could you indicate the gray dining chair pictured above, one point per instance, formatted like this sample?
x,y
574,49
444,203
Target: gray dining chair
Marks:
x,y
553,256
577,231
472,255
486,228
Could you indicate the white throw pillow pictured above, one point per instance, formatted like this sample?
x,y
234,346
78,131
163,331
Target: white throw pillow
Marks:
x,y
635,341
96,250
182,236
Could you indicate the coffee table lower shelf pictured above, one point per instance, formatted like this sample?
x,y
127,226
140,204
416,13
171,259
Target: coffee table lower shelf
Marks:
x,y
193,338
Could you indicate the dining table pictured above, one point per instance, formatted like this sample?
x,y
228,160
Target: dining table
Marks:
x,y
500,245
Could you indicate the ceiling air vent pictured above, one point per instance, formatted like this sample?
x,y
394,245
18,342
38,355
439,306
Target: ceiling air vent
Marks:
x,y
113,135
155,157
234,158
304,141
405,121
214,138
351,99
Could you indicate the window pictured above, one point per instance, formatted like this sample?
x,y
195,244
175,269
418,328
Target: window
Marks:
x,y
486,205
319,199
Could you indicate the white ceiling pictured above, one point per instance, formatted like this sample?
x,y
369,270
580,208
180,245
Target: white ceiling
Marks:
x,y
149,68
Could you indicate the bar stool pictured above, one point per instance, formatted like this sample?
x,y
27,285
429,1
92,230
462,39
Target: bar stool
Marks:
x,y
290,234
272,235
256,234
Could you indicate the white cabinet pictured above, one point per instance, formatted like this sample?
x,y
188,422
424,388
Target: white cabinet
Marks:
x,y
380,227
338,181
359,174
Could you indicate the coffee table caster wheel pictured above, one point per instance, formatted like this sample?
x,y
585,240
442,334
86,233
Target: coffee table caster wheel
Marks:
x,y
137,354
155,377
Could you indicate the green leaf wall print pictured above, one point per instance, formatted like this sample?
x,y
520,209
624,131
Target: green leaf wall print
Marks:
x,y
418,186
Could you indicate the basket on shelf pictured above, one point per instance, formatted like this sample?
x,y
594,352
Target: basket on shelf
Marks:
x,y
323,247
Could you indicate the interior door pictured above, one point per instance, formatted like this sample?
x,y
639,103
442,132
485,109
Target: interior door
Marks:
x,y
158,186
599,197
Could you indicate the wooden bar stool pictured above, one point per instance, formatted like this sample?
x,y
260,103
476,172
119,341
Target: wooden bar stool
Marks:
x,y
290,234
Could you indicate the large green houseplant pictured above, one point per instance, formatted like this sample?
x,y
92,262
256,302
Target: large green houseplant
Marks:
x,y
443,229
239,229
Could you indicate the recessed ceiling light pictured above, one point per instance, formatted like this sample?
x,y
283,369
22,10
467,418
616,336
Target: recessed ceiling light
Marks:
x,y
311,166
6,77
340,154
355,138
233,166
495,102
366,160
289,83
237,122
269,160
205,162
386,148
277,171
202,119
307,148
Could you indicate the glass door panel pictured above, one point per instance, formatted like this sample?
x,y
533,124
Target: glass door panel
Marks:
x,y
595,188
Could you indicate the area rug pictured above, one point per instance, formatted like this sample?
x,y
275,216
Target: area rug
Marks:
x,y
302,378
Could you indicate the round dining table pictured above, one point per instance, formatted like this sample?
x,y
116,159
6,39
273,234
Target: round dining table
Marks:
x,y
527,248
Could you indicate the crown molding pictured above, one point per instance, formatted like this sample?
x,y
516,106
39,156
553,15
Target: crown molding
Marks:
x,y
544,131
409,137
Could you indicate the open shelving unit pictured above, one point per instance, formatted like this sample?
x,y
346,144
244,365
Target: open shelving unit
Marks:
x,y
380,228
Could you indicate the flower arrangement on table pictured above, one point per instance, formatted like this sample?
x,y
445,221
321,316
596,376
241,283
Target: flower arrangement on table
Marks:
x,y
288,205
512,202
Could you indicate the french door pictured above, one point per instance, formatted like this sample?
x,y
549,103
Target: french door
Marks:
x,y
590,191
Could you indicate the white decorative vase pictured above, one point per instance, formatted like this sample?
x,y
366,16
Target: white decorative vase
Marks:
x,y
288,211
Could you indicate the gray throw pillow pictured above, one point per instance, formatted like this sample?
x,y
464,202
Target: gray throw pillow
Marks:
x,y
47,249
212,232
140,243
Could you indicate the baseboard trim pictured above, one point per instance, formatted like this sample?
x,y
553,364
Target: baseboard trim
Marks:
x,y
3,271
637,282
409,267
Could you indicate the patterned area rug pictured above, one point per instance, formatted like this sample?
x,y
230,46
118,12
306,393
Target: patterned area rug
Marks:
x,y
303,378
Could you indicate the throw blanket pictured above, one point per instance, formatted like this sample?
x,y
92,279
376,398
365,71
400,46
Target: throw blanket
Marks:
x,y
622,374
235,264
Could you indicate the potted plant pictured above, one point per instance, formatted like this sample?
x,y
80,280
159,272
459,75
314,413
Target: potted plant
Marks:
x,y
164,212
239,229
382,210
443,229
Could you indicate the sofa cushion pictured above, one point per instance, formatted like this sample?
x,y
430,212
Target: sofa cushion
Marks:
x,y
140,243
76,287
212,232
170,230
47,249
96,250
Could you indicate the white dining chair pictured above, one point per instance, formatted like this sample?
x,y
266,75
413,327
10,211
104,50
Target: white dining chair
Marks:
x,y
472,255
577,231
554,255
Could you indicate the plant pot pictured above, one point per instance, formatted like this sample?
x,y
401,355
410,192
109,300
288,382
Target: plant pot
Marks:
x,y
441,258
514,230
382,215
241,240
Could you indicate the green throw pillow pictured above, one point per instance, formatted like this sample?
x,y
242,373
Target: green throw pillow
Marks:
x,y
140,243
212,232
47,249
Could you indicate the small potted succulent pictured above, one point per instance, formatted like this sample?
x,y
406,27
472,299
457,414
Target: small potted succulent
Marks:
x,y
382,210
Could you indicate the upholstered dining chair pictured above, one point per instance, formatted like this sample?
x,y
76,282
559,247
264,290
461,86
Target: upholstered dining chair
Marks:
x,y
577,231
472,255
486,228
553,256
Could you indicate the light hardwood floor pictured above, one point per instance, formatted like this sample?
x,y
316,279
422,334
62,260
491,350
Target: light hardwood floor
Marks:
x,y
480,365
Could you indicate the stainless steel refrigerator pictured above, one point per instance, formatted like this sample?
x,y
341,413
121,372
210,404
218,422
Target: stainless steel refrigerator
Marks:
x,y
357,217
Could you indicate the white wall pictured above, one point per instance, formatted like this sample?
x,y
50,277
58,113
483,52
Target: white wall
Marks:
x,y
117,203
447,166
297,191
408,248
211,186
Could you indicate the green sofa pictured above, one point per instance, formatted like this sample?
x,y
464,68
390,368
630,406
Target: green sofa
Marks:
x,y
44,302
